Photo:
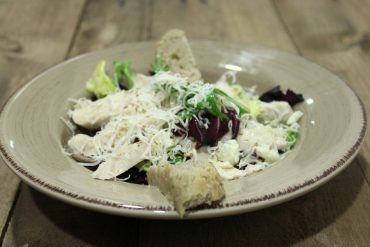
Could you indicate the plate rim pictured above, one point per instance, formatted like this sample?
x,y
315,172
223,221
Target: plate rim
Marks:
x,y
167,212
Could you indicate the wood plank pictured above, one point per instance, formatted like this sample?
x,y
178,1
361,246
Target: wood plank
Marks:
x,y
111,23
32,37
334,215
39,220
335,34
243,21
30,42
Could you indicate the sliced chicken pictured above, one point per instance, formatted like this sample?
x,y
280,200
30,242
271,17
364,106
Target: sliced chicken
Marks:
x,y
83,148
93,114
276,110
141,80
122,160
257,135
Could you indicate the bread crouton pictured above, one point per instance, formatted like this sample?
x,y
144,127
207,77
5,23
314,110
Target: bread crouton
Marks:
x,y
175,51
187,185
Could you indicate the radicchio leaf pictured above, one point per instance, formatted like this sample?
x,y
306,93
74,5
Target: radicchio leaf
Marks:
x,y
275,94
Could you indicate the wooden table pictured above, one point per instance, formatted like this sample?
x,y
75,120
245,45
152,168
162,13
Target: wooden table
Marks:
x,y
37,34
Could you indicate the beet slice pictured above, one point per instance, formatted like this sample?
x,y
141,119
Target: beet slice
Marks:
x,y
235,124
196,131
213,131
217,128
224,127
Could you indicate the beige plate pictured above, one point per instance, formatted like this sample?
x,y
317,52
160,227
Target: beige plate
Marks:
x,y
32,134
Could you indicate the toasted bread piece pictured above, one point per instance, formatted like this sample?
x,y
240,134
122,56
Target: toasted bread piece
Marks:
x,y
175,51
187,185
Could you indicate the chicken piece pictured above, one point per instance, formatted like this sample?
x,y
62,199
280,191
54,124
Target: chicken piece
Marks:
x,y
187,185
120,161
227,171
141,80
276,110
174,49
267,153
228,151
294,117
93,114
86,148
255,135
83,148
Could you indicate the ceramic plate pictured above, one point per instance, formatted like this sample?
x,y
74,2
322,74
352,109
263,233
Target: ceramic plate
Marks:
x,y
32,134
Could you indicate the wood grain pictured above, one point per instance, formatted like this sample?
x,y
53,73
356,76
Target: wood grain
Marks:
x,y
111,23
332,33
335,34
39,220
330,216
33,35
243,21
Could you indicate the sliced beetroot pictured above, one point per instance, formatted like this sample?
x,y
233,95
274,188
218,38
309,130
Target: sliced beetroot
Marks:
x,y
217,128
224,126
192,127
235,124
213,131
196,131
275,94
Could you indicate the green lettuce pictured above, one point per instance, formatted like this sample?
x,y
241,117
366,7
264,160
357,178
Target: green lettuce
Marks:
x,y
159,65
124,74
291,137
237,102
99,83
176,157
254,107
144,165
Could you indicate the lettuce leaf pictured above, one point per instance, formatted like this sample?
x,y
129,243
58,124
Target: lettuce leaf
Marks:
x,y
159,65
99,83
291,137
275,94
124,74
143,165
254,107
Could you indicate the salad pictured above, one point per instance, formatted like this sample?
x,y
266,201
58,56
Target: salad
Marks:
x,y
133,123
165,119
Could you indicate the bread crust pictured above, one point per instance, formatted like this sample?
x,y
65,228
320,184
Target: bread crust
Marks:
x,y
174,49
187,185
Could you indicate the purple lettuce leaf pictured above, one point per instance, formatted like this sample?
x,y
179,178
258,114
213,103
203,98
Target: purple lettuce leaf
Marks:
x,y
275,94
